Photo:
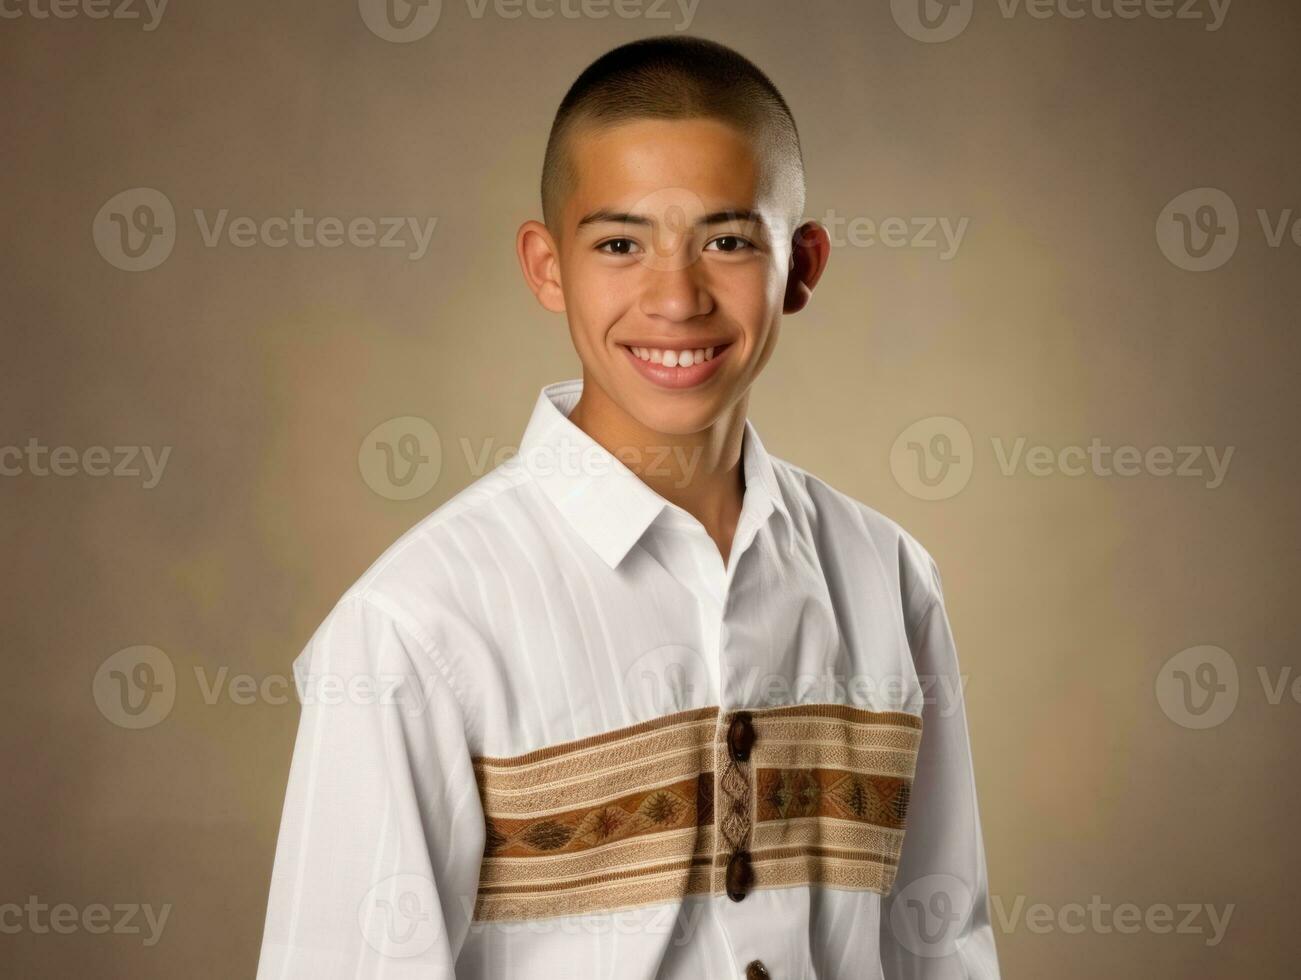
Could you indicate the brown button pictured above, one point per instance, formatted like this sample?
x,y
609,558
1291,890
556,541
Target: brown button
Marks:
x,y
740,875
755,970
740,736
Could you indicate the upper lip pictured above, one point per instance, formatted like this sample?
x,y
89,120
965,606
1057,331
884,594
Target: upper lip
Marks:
x,y
676,344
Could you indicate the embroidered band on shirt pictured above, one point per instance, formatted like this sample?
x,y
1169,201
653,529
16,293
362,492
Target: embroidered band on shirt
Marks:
x,y
627,818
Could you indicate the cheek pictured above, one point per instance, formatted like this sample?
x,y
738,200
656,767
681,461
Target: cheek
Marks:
x,y
597,296
751,294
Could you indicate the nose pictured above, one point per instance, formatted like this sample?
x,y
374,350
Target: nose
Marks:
x,y
675,291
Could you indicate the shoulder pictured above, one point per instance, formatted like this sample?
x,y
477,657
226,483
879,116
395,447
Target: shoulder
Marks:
x,y
423,563
424,591
839,522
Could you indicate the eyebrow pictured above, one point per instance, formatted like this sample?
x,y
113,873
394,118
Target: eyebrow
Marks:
x,y
605,216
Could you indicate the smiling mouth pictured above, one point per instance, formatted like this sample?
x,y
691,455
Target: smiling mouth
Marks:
x,y
676,357
677,368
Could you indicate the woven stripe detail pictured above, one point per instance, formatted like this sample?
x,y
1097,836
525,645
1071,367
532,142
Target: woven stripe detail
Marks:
x,y
650,813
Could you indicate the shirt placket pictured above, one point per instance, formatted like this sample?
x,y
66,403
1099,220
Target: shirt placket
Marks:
x,y
734,792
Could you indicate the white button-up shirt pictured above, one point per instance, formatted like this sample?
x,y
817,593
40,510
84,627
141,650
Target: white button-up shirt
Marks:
x,y
549,734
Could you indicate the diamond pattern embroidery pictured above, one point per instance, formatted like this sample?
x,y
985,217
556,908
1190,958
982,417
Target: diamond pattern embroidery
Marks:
x,y
790,792
734,794
668,808
786,794
821,795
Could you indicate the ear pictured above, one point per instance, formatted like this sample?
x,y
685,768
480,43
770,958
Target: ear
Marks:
x,y
810,252
539,259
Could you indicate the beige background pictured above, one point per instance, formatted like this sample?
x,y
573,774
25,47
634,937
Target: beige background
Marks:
x,y
1058,320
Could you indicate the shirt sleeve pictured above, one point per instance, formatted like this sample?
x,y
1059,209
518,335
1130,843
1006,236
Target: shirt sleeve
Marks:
x,y
935,922
377,862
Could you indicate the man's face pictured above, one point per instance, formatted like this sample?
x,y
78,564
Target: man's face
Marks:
x,y
675,246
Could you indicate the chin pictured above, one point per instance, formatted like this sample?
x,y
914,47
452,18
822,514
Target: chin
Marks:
x,y
677,415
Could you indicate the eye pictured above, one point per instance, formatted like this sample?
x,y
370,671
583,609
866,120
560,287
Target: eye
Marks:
x,y
618,246
730,243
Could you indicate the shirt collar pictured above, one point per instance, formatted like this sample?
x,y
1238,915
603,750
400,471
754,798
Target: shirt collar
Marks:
x,y
606,502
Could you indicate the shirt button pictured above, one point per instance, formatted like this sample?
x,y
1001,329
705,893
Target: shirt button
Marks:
x,y
755,970
740,875
740,737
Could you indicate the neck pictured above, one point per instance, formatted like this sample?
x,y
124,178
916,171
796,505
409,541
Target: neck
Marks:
x,y
701,472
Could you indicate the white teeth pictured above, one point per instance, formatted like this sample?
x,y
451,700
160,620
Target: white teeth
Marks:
x,y
674,358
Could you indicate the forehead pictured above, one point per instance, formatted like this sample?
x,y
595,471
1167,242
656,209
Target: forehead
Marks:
x,y
648,160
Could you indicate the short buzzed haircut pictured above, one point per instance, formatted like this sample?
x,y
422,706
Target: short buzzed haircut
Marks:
x,y
671,77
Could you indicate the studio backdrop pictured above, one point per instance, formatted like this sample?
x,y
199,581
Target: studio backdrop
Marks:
x,y
262,313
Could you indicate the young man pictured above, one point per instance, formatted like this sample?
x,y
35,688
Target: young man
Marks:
x,y
648,701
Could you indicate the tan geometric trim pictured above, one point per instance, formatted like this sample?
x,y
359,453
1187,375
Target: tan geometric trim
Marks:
x,y
851,870
645,889
840,712
600,768
884,743
597,741
735,796
628,818
847,835
653,810
636,852
786,793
